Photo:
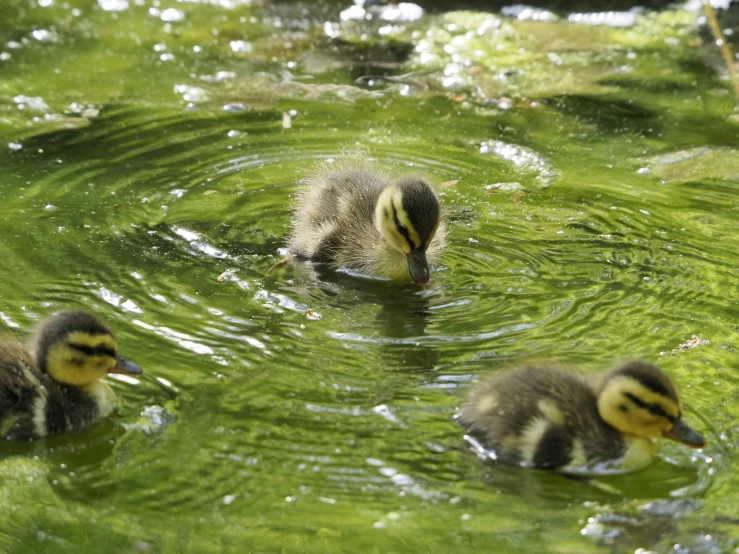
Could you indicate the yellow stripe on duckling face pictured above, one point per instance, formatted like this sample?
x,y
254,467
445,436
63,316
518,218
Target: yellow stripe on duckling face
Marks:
x,y
404,220
625,404
389,214
86,339
81,358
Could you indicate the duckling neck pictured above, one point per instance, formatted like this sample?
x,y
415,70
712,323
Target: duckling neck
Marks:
x,y
102,394
639,453
390,262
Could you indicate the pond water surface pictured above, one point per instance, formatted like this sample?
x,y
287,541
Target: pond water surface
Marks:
x,y
589,175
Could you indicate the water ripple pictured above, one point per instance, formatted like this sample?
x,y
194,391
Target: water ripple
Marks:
x,y
168,224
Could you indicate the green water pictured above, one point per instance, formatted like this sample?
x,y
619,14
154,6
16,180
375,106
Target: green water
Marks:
x,y
128,194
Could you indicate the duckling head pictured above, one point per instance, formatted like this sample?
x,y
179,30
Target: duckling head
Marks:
x,y
407,216
77,348
639,399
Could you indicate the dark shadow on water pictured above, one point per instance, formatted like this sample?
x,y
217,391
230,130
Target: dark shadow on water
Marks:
x,y
403,313
351,290
74,460
660,480
611,115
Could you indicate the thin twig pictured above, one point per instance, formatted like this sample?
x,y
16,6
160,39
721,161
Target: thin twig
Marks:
x,y
720,39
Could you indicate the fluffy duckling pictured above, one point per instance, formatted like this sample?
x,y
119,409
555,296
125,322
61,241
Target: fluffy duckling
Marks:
x,y
352,217
55,386
554,419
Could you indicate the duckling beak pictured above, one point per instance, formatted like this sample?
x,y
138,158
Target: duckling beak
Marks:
x,y
680,432
418,267
123,366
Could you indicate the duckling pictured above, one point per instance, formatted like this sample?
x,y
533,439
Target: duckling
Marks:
x,y
55,386
353,217
550,418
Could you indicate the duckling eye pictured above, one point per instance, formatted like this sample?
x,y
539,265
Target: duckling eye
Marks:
x,y
402,229
99,350
624,408
654,409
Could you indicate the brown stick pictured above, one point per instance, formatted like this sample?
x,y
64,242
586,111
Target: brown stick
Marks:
x,y
276,266
720,39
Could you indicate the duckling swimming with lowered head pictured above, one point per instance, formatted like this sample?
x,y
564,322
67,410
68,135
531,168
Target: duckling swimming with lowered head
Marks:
x,y
354,218
56,386
554,419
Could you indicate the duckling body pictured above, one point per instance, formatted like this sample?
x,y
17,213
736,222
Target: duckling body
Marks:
x,y
353,217
55,385
550,418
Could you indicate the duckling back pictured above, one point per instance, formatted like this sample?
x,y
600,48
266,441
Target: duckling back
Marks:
x,y
19,385
334,218
541,417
